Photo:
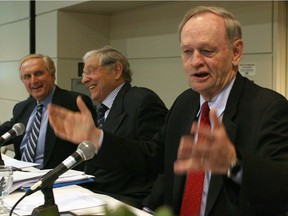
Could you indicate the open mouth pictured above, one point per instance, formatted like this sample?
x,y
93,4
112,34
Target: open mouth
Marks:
x,y
201,75
91,87
36,87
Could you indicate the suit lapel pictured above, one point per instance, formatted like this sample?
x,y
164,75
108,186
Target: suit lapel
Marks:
x,y
216,181
215,186
186,122
116,114
50,139
232,107
26,113
22,114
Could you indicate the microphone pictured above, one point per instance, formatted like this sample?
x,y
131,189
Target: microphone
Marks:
x,y
85,151
17,129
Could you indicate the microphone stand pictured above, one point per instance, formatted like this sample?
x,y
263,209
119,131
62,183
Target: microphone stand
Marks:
x,y
1,160
49,208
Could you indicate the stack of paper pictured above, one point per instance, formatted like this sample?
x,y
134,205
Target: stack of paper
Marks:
x,y
23,180
16,163
30,175
68,198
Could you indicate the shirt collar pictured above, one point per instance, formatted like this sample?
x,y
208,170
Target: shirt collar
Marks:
x,y
108,101
220,100
48,99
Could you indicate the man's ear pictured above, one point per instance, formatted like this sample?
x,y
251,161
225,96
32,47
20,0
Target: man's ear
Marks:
x,y
237,51
118,70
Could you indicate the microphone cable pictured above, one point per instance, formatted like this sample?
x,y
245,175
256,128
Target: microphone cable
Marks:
x,y
14,206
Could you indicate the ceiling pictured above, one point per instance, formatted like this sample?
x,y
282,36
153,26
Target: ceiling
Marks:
x,y
108,7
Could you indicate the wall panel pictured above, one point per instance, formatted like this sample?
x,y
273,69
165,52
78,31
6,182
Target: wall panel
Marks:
x,y
44,6
66,70
14,44
13,88
264,67
147,35
78,33
165,76
46,33
14,40
11,11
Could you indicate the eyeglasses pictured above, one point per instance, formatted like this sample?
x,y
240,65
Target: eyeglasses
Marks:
x,y
91,70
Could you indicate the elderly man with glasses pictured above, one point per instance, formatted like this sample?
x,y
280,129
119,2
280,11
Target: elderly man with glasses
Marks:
x,y
132,112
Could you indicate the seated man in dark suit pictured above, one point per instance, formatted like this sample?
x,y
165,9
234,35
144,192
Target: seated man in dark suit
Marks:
x,y
244,119
263,182
132,112
265,186
37,73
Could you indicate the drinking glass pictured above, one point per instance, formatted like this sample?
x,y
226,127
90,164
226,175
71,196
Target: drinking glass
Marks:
x,y
6,181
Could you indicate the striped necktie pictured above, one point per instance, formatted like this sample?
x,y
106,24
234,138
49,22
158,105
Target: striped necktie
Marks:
x,y
30,148
101,115
191,202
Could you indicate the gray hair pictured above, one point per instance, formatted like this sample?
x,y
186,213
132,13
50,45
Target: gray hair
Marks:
x,y
233,27
108,55
49,63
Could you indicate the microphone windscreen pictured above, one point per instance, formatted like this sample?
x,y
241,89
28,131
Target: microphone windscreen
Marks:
x,y
19,128
86,149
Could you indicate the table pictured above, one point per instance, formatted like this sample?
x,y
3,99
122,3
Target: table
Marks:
x,y
110,202
70,191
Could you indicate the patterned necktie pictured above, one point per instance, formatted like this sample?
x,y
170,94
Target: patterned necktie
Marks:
x,y
101,115
191,202
30,148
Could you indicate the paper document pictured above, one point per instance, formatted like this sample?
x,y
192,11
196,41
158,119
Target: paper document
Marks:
x,y
25,179
16,163
66,198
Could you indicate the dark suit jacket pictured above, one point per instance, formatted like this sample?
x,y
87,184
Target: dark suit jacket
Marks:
x,y
256,120
264,186
56,150
136,114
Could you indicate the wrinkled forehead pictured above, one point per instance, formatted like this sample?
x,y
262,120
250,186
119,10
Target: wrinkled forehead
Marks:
x,y
33,64
204,25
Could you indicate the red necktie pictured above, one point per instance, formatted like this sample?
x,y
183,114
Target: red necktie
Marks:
x,y
194,184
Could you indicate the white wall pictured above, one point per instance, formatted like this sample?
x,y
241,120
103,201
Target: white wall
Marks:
x,y
14,43
147,35
149,38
